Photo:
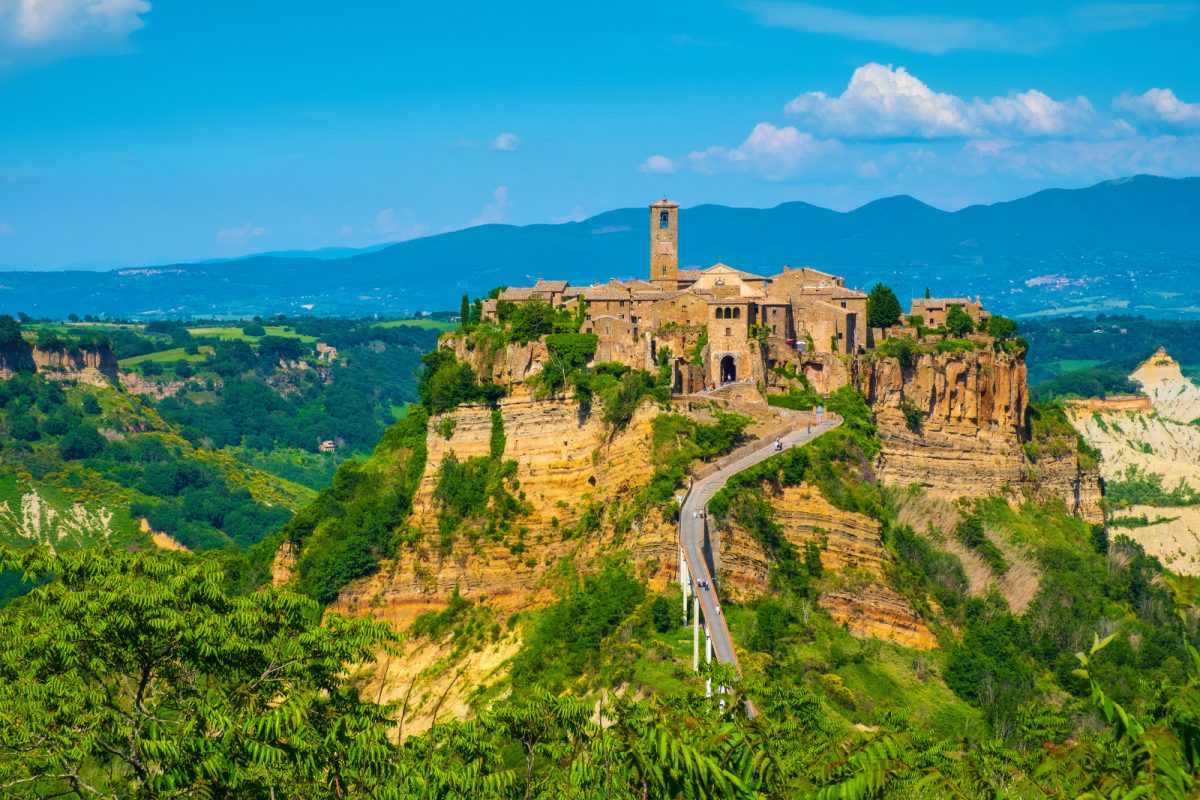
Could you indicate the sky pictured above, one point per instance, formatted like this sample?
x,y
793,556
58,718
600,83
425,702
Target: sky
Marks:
x,y
138,132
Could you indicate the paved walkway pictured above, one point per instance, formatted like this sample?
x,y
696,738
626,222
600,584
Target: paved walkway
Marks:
x,y
691,530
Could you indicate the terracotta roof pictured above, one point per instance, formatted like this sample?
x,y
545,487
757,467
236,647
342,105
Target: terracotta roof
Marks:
x,y
688,274
516,294
572,291
604,293
735,270
550,286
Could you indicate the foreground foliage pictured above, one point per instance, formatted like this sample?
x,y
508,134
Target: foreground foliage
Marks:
x,y
139,675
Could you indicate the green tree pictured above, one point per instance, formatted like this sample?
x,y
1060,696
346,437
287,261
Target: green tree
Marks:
x,y
10,331
137,675
958,322
1001,327
662,614
464,312
883,309
80,442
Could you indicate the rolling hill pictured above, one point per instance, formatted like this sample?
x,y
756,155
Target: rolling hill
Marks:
x,y
1129,244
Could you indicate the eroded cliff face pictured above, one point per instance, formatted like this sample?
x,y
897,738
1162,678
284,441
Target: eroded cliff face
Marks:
x,y
852,549
566,462
969,443
97,367
508,365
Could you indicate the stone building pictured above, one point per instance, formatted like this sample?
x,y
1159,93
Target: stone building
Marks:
x,y
719,324
933,310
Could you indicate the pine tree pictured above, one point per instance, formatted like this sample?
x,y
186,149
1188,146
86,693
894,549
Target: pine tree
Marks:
x,y
464,313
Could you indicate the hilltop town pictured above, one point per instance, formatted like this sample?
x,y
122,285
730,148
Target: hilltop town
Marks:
x,y
722,324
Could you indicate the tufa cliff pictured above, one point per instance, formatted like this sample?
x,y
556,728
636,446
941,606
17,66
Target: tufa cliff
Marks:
x,y
852,548
96,366
970,437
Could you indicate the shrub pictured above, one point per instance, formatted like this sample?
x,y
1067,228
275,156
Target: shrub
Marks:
x,y
254,329
80,442
663,614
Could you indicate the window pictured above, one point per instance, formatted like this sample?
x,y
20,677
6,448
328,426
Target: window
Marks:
x,y
729,331
843,304
737,313
664,219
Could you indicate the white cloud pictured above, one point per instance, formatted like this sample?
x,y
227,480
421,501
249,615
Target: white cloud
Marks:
x,y
50,29
658,165
770,151
505,142
242,234
399,226
6,229
934,33
495,212
1160,107
885,102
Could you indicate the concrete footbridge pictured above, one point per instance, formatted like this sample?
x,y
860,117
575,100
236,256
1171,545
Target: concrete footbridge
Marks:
x,y
695,550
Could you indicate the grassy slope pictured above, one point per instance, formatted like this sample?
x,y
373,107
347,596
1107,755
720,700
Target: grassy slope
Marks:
x,y
64,488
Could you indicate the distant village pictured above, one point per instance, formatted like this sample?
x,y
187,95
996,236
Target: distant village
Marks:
x,y
721,324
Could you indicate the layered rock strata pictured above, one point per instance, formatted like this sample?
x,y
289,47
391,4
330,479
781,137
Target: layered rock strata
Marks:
x,y
852,549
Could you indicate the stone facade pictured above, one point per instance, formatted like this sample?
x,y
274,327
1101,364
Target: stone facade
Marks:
x,y
734,324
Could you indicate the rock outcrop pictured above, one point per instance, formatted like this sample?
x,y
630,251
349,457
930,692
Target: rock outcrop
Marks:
x,y
969,442
568,464
507,365
851,547
95,366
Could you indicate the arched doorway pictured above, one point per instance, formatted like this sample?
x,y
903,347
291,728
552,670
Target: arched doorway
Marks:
x,y
728,369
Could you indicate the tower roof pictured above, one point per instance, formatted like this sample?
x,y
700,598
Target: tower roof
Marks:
x,y
664,203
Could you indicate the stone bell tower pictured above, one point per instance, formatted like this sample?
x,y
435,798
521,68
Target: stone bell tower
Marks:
x,y
664,242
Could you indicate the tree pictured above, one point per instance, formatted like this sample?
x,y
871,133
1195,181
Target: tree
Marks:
x,y
1001,327
80,442
883,309
254,329
958,322
10,331
464,312
138,675
662,614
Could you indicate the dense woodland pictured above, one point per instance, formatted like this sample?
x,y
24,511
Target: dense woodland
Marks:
x,y
152,674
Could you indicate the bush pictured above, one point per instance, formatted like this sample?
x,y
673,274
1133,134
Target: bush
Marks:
x,y
80,442
254,329
663,614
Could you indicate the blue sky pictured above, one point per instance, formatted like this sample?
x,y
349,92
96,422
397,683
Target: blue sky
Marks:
x,y
137,131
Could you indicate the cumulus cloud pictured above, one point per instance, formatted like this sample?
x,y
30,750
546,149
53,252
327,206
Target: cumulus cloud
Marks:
x,y
236,237
399,226
885,102
506,142
935,33
1161,108
771,151
495,212
658,165
51,29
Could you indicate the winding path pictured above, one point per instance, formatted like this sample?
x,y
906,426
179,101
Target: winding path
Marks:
x,y
692,525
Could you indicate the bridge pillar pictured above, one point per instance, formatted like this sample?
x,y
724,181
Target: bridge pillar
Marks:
x,y
695,634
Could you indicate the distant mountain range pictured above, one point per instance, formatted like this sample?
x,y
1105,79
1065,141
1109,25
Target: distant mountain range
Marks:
x,y
1131,245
